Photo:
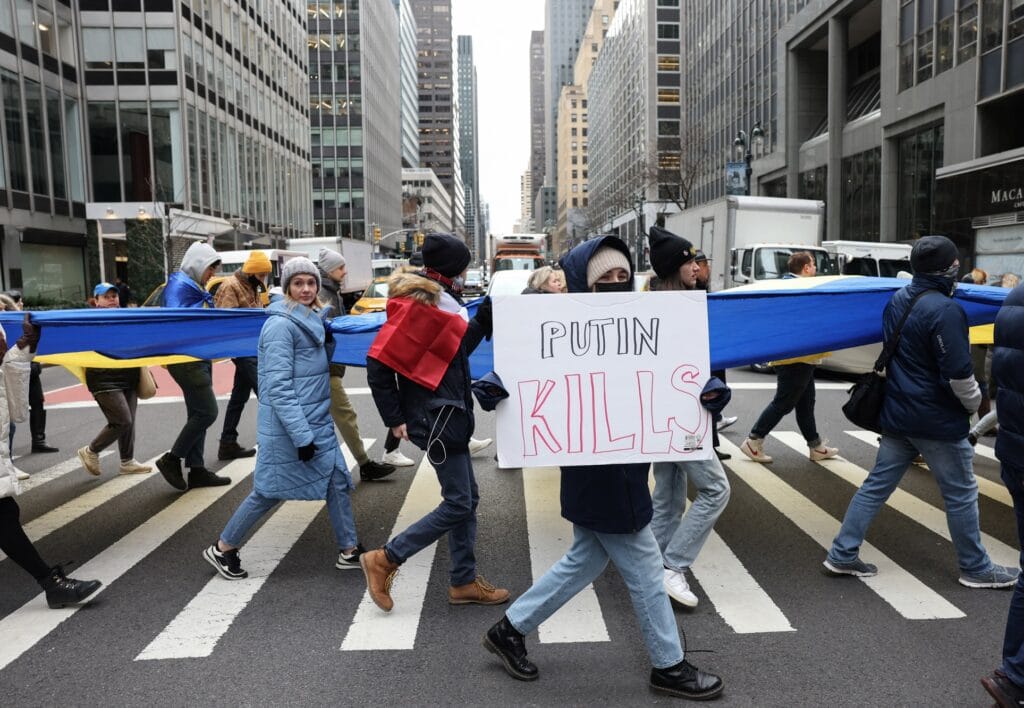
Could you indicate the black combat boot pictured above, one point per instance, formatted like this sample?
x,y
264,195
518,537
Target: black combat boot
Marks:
x,y
510,646
62,591
686,681
202,477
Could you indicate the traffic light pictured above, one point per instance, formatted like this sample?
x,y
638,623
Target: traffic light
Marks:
x,y
419,239
376,234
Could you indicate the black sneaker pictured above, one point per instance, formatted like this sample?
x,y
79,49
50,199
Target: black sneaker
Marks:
x,y
62,591
170,468
42,446
371,470
856,567
348,561
202,477
504,640
227,563
234,451
687,681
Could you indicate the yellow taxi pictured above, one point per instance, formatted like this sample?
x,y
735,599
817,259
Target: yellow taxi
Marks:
x,y
374,299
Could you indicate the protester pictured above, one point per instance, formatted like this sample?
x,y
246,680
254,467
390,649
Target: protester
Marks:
x,y
681,536
427,400
610,510
14,373
930,392
124,293
115,390
721,422
1006,684
187,288
332,274
1009,280
794,389
36,400
299,456
241,291
545,280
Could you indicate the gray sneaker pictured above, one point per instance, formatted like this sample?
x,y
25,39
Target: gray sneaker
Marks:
x,y
998,576
855,567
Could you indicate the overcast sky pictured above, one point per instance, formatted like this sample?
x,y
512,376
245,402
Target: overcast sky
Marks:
x,y
501,51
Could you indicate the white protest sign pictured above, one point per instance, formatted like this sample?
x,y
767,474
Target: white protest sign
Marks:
x,y
602,378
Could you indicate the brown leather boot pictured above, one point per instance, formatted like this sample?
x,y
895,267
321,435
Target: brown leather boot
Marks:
x,y
380,573
478,592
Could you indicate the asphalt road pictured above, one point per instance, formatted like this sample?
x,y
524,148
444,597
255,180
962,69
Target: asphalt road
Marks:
x,y
166,631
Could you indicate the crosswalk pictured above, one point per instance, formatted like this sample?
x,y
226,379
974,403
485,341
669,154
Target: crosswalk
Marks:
x,y
734,592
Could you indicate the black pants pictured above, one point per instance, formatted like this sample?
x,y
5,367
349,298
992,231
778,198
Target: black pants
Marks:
x,y
714,423
391,442
246,381
36,415
16,544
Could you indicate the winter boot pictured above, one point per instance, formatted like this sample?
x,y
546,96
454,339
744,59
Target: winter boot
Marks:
x,y
62,591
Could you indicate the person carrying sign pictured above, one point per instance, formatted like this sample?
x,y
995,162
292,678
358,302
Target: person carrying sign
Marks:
x,y
418,371
610,510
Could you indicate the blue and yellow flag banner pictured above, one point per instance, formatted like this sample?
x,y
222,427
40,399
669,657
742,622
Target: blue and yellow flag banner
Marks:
x,y
766,321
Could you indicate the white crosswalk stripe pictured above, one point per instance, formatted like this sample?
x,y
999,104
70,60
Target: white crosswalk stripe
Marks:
x,y
905,593
993,490
58,470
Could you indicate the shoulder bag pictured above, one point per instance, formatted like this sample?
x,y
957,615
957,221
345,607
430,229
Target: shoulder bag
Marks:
x,y
146,387
864,407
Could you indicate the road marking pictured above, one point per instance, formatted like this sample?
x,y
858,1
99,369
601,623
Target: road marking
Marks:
x,y
59,470
160,400
905,593
195,631
992,490
27,625
81,505
904,502
580,619
372,628
770,386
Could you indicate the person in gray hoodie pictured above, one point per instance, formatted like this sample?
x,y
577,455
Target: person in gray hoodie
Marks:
x,y
187,288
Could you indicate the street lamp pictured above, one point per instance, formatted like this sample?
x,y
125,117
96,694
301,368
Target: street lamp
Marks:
x,y
638,205
744,145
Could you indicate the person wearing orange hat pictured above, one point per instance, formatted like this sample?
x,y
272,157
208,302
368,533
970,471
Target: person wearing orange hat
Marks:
x,y
241,291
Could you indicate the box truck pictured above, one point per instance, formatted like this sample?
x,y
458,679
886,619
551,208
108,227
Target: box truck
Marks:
x,y
358,259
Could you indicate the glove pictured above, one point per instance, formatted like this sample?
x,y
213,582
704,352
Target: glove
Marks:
x,y
485,316
328,334
29,335
306,452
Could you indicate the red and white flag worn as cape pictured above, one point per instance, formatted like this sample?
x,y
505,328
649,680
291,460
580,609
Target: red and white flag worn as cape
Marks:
x,y
418,341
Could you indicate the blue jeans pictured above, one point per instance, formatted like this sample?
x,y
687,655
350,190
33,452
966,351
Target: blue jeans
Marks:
x,y
1013,640
339,508
245,383
638,560
680,537
196,381
951,464
455,516
794,390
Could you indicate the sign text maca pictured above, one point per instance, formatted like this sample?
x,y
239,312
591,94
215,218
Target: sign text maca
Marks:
x,y
1007,195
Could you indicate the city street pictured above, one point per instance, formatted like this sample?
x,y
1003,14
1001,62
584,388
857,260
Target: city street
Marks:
x,y
166,630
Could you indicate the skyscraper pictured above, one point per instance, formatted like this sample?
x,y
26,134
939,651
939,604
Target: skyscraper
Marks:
x,y
469,144
536,110
564,21
410,111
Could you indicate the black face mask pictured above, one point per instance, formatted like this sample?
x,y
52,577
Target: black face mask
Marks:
x,y
623,287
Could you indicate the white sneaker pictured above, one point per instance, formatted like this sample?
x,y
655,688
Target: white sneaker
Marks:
x,y
476,446
396,458
678,589
754,449
21,475
90,461
823,452
727,421
133,466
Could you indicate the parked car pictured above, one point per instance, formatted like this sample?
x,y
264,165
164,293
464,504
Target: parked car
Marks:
x,y
374,299
476,283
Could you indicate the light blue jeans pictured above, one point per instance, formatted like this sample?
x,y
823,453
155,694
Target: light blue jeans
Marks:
x,y
638,560
339,508
680,537
951,464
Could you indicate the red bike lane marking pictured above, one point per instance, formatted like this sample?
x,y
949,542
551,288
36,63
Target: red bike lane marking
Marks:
x,y
223,380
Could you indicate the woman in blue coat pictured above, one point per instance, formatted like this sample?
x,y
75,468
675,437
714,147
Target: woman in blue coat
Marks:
x,y
299,456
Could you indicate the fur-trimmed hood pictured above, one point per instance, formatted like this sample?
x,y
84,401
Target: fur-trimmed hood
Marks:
x,y
407,282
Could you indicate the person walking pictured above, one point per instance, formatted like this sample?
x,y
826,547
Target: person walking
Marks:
x,y
610,510
1006,684
36,399
428,400
794,389
930,393
187,288
60,590
299,456
241,290
332,274
680,531
115,390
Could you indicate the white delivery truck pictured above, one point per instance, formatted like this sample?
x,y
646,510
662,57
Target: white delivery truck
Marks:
x,y
751,238
871,258
358,259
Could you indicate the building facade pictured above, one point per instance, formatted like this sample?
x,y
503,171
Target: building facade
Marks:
x,y
428,205
536,110
354,121
469,146
409,114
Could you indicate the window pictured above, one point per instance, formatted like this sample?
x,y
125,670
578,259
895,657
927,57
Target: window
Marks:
x,y
106,174
99,48
991,25
11,91
668,62
668,31
53,116
47,32
167,152
128,46
906,48
36,126
920,154
668,95
160,49
944,37
862,185
26,22
968,32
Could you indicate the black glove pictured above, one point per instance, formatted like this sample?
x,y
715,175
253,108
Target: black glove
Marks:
x,y
485,316
306,452
328,334
29,334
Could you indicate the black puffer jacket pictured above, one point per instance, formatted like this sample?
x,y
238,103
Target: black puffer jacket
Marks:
x,y
603,498
1008,370
104,380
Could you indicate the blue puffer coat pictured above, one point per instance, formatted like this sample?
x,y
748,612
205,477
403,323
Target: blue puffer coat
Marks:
x,y
1008,371
603,498
933,350
295,407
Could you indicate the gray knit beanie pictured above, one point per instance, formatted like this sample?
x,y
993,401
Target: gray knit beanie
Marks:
x,y
328,260
294,266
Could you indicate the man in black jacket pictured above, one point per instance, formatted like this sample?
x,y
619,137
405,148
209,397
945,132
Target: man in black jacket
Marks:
x,y
610,510
427,399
